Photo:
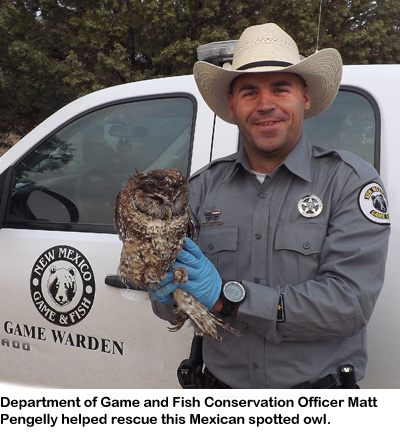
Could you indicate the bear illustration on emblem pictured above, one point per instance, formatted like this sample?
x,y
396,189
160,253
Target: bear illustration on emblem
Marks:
x,y
61,285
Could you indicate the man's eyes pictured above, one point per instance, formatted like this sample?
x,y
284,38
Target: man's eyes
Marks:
x,y
249,93
278,90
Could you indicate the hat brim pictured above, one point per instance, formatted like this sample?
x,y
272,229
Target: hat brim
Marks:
x,y
321,71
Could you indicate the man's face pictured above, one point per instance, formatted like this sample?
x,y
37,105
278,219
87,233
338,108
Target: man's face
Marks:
x,y
269,112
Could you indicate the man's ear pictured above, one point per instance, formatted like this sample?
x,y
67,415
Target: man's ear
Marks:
x,y
307,100
231,112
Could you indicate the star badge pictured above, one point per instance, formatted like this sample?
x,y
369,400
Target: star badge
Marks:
x,y
310,206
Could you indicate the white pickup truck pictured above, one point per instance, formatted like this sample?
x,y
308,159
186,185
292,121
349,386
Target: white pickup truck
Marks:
x,y
64,321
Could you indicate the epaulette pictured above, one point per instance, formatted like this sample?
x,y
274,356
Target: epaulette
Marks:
x,y
361,167
225,159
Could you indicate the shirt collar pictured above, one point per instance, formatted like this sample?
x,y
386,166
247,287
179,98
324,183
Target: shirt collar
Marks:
x,y
298,161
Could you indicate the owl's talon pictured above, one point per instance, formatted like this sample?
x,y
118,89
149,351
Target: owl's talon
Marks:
x,y
180,275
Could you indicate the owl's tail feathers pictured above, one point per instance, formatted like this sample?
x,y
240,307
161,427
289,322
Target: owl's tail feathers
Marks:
x,y
205,320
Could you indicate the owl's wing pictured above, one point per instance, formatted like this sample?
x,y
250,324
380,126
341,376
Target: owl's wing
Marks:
x,y
191,229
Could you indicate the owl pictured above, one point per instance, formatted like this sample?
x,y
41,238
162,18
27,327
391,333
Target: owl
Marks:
x,y
153,219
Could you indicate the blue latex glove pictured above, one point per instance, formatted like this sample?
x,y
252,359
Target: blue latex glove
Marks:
x,y
203,283
163,292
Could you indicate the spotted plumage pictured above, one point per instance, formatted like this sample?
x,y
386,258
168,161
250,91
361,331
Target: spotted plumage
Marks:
x,y
152,218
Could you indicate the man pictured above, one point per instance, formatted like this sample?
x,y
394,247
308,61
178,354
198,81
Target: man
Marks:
x,y
294,228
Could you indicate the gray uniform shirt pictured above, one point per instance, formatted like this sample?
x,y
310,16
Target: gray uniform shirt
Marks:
x,y
329,268
310,238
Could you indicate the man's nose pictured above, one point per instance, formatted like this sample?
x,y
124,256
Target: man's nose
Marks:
x,y
266,101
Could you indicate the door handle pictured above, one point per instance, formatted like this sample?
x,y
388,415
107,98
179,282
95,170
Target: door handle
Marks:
x,y
116,282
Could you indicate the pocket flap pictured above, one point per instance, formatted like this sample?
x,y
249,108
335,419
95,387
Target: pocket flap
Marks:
x,y
304,238
218,238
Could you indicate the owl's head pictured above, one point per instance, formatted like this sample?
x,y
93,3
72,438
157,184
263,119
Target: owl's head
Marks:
x,y
161,194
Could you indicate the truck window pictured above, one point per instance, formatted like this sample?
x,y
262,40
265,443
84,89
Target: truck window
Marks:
x,y
351,123
73,176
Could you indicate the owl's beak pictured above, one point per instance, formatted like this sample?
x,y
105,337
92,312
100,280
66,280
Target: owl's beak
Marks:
x,y
169,213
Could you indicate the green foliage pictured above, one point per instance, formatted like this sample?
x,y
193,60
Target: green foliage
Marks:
x,y
53,51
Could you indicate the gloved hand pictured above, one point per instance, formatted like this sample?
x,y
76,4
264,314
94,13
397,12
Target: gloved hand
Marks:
x,y
163,292
203,282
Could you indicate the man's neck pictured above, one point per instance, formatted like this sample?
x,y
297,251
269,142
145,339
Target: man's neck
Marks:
x,y
264,164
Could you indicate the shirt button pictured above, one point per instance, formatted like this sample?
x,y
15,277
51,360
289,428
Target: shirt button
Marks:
x,y
255,365
263,196
258,236
210,246
256,280
306,246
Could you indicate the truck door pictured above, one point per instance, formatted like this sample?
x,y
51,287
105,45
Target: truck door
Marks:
x,y
61,325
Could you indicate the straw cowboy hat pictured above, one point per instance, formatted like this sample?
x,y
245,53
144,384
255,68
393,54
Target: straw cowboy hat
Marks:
x,y
266,48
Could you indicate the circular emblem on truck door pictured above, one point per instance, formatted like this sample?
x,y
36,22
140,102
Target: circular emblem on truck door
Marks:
x,y
62,285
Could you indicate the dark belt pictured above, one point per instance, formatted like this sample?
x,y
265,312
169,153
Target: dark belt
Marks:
x,y
327,382
347,376
211,382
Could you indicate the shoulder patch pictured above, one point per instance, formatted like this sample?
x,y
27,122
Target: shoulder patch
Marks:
x,y
373,203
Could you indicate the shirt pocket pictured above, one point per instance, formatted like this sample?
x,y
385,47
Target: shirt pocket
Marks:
x,y
298,250
219,245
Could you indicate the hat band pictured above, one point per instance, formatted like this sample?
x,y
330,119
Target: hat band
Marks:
x,y
264,63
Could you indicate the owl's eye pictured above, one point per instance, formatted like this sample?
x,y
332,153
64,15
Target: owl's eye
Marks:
x,y
178,197
157,198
